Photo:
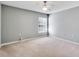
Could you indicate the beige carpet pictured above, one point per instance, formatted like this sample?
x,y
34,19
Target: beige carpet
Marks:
x,y
41,47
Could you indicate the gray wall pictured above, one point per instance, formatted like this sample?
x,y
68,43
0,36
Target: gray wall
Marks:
x,y
16,21
0,23
65,24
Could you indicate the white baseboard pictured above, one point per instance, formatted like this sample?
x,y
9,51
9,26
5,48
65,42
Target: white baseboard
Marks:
x,y
73,42
9,43
38,37
18,41
4,44
14,42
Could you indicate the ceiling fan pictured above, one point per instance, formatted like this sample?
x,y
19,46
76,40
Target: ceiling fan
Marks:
x,y
45,6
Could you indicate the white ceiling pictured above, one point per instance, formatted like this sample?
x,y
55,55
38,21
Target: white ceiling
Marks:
x,y
54,6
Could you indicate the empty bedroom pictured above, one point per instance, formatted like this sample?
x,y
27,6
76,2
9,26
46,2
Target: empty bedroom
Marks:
x,y
39,28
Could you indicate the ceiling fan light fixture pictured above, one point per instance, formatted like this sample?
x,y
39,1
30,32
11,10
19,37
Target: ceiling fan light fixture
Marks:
x,y
44,8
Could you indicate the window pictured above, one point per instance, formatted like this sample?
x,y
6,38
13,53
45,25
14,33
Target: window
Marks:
x,y
42,25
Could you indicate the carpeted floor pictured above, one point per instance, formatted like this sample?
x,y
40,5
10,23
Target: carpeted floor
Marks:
x,y
41,47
